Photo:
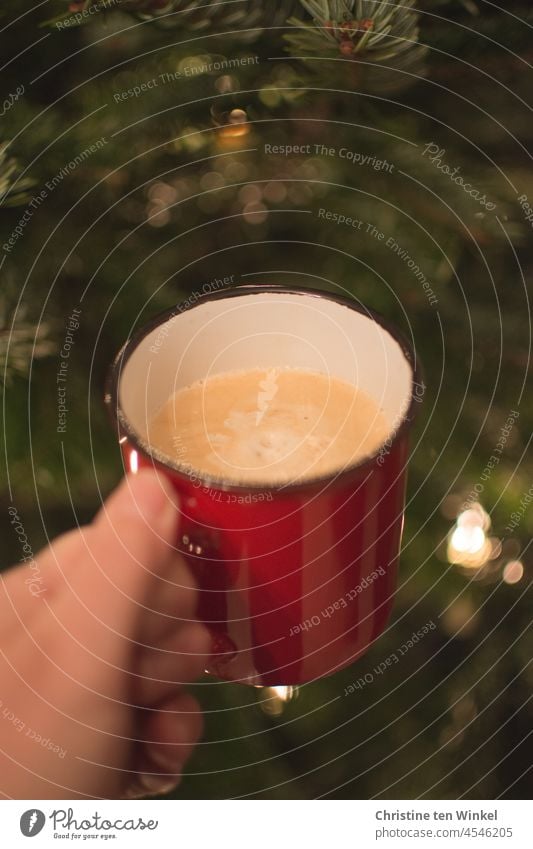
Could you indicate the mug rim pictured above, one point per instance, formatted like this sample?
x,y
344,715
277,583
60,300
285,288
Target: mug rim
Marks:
x,y
121,423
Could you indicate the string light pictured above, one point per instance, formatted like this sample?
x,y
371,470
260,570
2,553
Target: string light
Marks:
x,y
273,700
468,544
234,124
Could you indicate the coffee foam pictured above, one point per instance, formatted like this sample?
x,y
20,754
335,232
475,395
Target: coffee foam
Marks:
x,y
268,426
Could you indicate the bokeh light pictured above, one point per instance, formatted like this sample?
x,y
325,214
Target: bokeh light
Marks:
x,y
468,544
513,572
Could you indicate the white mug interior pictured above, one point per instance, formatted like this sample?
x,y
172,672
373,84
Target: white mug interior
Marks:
x,y
264,329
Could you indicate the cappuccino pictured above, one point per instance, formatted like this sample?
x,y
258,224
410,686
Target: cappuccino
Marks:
x,y
268,426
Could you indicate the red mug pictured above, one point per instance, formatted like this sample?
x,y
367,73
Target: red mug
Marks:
x,y
295,581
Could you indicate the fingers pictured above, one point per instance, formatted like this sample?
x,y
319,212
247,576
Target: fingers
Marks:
x,y
139,521
128,545
181,657
22,586
132,536
171,734
121,583
172,600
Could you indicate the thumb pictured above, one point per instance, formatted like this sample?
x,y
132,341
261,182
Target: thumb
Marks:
x,y
132,537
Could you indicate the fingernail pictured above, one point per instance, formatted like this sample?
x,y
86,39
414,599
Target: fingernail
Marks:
x,y
167,764
149,784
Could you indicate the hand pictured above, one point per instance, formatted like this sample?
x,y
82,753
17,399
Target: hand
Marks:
x,y
94,653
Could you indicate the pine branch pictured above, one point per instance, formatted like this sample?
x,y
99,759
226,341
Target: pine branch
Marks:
x,y
20,342
380,29
19,346
191,15
17,343
377,39
12,190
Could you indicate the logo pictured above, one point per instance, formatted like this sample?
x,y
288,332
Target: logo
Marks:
x,y
32,822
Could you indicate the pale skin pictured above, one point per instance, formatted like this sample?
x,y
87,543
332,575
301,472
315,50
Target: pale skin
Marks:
x,y
96,662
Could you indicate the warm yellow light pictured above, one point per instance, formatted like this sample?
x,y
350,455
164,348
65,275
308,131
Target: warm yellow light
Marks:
x,y
474,516
134,462
226,83
468,544
285,694
164,193
237,125
274,699
513,572
468,540
255,213
158,214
